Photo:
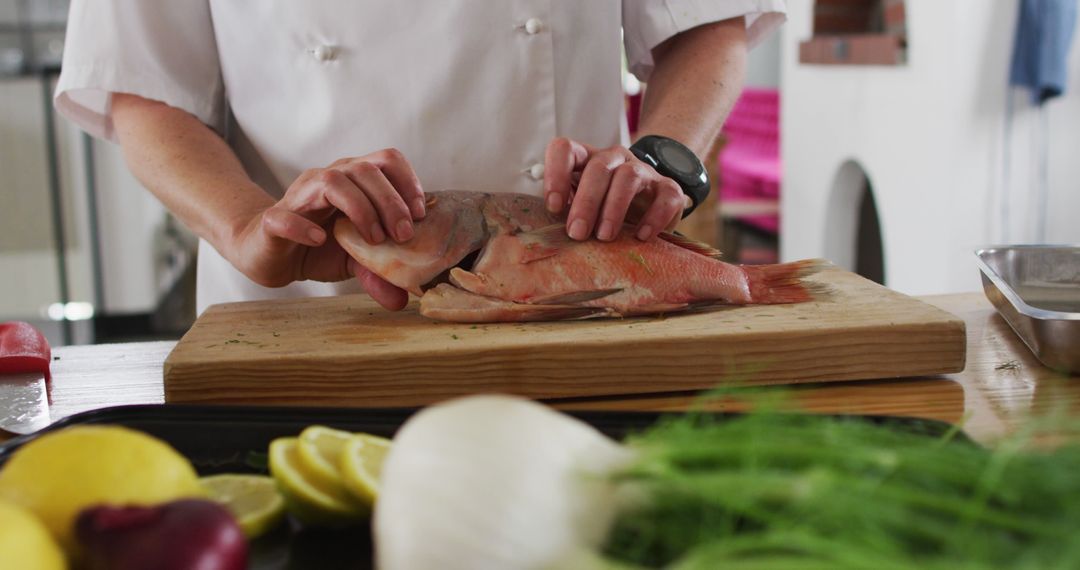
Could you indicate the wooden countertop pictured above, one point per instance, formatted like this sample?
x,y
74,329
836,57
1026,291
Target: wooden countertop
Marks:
x,y
1002,384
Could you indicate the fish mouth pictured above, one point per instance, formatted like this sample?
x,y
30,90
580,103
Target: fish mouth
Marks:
x,y
466,263
469,260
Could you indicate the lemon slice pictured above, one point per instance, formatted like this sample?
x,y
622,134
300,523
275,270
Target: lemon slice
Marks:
x,y
307,499
320,450
252,499
361,466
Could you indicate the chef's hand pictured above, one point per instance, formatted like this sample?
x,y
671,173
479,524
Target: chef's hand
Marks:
x,y
612,187
292,239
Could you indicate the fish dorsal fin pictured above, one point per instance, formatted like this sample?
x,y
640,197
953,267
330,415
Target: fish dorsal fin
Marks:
x,y
690,244
544,242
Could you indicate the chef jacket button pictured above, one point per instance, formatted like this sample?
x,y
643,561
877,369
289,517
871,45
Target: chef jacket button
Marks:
x,y
533,25
536,171
323,53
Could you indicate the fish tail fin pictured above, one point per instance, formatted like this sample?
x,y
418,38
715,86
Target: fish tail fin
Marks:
x,y
784,282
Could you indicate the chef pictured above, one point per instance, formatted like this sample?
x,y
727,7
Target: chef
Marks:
x,y
259,122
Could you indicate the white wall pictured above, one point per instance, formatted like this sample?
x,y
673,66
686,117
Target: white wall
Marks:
x,y
930,136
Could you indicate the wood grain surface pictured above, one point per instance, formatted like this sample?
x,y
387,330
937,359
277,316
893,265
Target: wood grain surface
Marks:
x,y
347,351
1001,387
1000,390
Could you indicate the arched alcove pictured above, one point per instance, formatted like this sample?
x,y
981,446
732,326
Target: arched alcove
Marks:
x,y
853,230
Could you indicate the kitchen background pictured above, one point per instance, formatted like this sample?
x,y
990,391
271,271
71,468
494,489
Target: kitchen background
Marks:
x,y
904,149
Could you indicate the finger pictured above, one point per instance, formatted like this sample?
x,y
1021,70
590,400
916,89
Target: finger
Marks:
x,y
665,208
686,203
341,192
561,159
403,178
385,293
306,194
589,197
629,180
394,214
283,223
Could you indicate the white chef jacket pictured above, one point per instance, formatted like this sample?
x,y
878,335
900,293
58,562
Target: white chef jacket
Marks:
x,y
471,91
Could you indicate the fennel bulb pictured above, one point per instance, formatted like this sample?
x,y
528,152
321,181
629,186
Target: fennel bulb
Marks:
x,y
495,482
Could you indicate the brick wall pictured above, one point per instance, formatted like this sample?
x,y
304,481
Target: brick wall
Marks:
x,y
857,32
837,17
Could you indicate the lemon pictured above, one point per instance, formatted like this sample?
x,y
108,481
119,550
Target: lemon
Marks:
x,y
59,474
252,499
320,450
25,543
361,465
307,499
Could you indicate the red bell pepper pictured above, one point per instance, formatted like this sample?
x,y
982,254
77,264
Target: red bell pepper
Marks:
x,y
23,349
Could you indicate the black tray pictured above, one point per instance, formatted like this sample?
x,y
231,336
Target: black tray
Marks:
x,y
231,439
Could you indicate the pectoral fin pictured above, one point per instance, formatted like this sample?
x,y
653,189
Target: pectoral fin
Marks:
x,y
544,242
469,281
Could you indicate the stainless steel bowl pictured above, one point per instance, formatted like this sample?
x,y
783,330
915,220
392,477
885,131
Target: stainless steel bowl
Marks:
x,y
1036,288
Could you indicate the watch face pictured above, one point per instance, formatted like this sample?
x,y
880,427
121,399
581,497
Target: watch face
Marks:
x,y
677,158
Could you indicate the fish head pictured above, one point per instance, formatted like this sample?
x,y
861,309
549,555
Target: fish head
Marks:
x,y
453,228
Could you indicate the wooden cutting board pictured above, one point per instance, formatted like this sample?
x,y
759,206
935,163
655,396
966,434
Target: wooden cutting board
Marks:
x,y
346,351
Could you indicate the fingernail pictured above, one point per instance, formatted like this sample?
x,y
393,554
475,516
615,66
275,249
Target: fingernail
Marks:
x,y
578,229
606,231
554,203
377,235
404,230
418,209
644,233
316,236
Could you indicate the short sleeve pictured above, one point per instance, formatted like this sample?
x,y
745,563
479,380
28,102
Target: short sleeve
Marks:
x,y
647,23
158,49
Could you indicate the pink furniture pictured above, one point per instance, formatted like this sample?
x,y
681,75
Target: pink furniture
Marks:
x,y
750,167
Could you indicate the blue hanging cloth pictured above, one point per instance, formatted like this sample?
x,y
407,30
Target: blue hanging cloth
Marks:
x,y
1044,32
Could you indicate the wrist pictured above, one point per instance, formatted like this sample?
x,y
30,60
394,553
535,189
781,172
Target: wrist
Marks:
x,y
239,223
676,161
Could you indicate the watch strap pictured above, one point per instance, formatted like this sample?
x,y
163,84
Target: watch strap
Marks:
x,y
643,150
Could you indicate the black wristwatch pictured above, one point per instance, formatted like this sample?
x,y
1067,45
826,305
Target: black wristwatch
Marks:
x,y
672,159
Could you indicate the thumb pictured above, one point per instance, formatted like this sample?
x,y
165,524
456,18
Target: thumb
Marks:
x,y
387,294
